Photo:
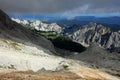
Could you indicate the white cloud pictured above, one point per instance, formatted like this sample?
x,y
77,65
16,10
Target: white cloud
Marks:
x,y
90,9
80,9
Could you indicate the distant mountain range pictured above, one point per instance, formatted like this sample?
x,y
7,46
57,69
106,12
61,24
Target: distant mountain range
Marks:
x,y
39,25
112,22
85,35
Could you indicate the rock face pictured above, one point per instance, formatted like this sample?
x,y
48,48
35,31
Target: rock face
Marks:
x,y
39,25
95,33
5,20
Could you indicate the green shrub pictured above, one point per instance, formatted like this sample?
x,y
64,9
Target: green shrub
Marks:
x,y
65,67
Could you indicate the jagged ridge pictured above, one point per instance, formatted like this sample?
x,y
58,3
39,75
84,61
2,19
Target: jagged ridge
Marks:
x,y
95,33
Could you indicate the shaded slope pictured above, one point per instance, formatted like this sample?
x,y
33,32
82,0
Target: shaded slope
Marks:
x,y
101,59
14,31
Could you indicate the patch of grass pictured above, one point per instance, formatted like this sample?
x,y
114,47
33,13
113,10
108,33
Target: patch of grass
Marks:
x,y
4,41
65,67
60,41
15,45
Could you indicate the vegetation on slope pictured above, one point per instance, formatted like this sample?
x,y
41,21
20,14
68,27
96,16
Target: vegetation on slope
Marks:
x,y
60,41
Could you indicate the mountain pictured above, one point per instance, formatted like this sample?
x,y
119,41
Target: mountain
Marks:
x,y
111,22
39,25
52,32
84,35
21,49
25,55
93,32
99,58
15,31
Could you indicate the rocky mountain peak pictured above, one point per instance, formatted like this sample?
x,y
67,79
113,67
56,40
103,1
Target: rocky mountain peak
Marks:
x,y
97,33
96,27
39,25
91,27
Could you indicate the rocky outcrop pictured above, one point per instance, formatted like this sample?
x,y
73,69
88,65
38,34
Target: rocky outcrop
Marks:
x,y
113,40
39,25
95,33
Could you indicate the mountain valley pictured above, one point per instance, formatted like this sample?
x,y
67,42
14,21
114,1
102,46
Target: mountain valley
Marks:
x,y
35,50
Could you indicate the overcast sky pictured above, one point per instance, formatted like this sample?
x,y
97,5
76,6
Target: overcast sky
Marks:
x,y
60,6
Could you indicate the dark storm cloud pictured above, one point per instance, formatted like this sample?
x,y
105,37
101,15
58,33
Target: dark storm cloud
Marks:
x,y
60,6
